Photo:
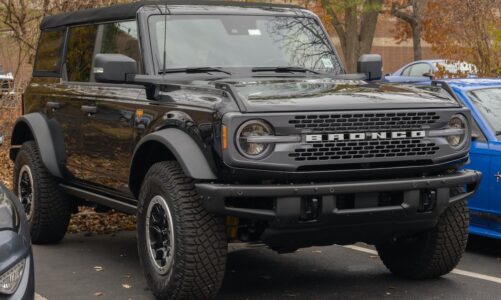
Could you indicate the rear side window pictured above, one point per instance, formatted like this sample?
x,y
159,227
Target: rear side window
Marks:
x,y
48,58
80,53
120,38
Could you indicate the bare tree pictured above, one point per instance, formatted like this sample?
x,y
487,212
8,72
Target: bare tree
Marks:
x,y
410,14
355,23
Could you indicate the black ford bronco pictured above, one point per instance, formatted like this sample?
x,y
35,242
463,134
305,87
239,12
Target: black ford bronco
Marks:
x,y
217,122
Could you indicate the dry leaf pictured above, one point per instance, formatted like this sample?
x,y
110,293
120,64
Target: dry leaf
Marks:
x,y
98,268
126,286
98,294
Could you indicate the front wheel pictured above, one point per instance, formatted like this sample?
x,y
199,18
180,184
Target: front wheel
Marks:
x,y
182,247
433,253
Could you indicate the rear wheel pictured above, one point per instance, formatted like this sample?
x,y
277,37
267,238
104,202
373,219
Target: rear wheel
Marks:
x,y
433,253
47,209
182,247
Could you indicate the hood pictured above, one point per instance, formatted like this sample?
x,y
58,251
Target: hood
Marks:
x,y
303,94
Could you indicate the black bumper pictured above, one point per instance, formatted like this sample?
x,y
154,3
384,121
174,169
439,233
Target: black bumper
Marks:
x,y
361,222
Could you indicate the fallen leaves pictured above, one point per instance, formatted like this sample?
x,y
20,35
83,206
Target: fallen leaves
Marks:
x,y
98,294
126,286
91,222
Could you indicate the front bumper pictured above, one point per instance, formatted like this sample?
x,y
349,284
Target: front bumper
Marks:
x,y
367,218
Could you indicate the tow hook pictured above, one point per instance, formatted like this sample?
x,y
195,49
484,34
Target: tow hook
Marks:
x,y
310,208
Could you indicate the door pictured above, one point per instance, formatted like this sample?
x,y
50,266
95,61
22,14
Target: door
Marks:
x,y
494,178
481,161
108,132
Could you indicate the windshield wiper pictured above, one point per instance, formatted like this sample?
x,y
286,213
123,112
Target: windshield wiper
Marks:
x,y
284,69
194,70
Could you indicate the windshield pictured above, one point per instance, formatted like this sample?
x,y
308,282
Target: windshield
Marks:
x,y
488,101
224,41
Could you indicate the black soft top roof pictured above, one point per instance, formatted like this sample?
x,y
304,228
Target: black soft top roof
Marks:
x,y
128,11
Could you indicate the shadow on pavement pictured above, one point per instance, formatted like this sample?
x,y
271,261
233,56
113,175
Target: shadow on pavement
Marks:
x,y
485,246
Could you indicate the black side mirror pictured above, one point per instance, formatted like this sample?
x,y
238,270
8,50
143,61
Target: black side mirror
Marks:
x,y
429,75
475,136
113,68
371,65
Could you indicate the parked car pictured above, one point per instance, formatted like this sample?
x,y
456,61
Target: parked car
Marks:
x,y
217,122
483,98
16,259
424,71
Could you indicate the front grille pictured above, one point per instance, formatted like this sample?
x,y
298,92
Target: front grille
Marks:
x,y
319,151
364,121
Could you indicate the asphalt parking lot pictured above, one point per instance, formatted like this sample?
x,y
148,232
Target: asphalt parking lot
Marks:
x,y
107,267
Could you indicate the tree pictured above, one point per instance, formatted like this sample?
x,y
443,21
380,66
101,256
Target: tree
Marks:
x,y
469,32
410,16
355,24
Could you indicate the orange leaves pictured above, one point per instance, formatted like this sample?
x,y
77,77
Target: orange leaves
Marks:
x,y
465,32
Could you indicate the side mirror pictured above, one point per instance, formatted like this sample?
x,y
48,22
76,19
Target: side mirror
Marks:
x,y
429,75
475,136
113,68
371,65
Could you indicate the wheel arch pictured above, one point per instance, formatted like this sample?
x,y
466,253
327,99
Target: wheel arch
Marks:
x,y
48,137
164,145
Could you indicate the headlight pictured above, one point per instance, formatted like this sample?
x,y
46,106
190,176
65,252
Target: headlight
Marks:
x,y
8,214
459,123
254,128
9,281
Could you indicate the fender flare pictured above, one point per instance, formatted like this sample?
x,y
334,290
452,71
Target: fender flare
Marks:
x,y
186,151
48,136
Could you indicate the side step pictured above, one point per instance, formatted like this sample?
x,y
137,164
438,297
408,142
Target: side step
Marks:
x,y
100,199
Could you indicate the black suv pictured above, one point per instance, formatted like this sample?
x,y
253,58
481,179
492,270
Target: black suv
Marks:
x,y
226,121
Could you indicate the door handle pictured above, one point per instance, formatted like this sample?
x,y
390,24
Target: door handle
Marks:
x,y
89,110
54,105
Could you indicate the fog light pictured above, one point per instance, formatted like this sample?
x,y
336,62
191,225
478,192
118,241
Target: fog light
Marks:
x,y
9,281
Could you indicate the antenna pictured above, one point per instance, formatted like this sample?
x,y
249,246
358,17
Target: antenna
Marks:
x,y
165,35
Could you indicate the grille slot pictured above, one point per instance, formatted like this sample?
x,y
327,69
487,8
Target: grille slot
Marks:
x,y
337,150
364,121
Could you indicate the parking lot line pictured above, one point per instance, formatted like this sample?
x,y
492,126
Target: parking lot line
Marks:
x,y
455,271
38,297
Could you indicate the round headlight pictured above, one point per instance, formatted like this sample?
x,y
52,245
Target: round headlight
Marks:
x,y
457,122
253,128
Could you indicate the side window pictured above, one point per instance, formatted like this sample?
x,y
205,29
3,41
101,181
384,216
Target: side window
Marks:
x,y
419,69
407,71
120,38
80,52
48,57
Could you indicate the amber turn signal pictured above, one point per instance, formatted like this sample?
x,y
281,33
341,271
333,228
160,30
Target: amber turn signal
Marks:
x,y
224,137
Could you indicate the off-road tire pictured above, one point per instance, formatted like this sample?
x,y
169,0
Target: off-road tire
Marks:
x,y
52,210
433,253
199,258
